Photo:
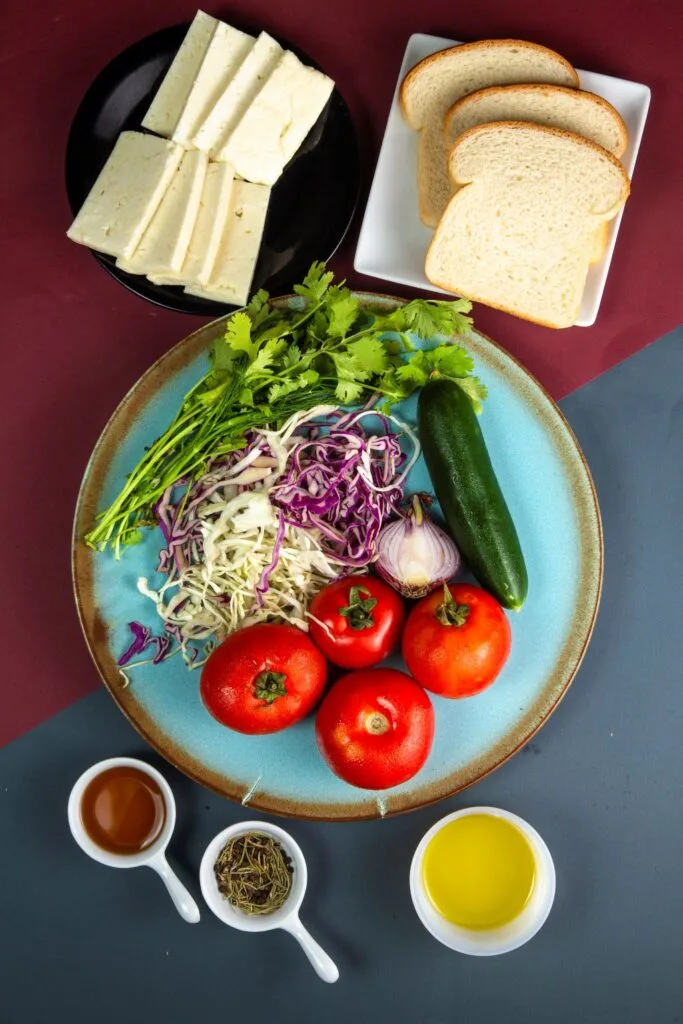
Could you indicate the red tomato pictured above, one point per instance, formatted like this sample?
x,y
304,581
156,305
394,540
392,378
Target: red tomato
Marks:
x,y
364,618
456,641
375,728
263,678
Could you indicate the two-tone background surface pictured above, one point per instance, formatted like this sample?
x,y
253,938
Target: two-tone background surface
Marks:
x,y
603,781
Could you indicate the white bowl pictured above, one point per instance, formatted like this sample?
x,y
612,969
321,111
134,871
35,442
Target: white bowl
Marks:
x,y
496,940
154,856
117,860
287,916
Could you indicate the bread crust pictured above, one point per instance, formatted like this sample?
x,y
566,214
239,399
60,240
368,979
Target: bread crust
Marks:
x,y
531,126
482,44
536,87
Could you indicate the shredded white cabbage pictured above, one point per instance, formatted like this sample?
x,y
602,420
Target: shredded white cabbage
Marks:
x,y
217,594
239,528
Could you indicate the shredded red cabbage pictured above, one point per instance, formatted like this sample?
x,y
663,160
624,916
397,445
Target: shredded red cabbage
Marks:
x,y
345,484
143,638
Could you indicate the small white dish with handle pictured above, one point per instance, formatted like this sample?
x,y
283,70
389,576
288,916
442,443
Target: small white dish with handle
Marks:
x,y
287,916
154,856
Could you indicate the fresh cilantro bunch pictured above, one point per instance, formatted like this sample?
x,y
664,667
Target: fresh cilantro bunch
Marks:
x,y
274,362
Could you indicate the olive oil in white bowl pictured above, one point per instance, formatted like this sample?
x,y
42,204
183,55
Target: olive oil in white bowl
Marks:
x,y
482,881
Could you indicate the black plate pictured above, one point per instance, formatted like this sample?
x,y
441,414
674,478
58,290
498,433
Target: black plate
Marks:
x,y
311,206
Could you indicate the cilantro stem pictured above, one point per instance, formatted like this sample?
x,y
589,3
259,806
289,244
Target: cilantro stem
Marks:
x,y
274,362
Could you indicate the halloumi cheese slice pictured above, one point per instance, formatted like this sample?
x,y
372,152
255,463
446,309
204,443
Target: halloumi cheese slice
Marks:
x,y
226,52
164,245
239,93
125,197
233,271
214,209
167,105
278,121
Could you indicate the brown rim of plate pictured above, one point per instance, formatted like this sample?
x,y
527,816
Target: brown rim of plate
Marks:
x,y
95,629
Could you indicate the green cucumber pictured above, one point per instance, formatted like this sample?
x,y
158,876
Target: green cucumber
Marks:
x,y
466,487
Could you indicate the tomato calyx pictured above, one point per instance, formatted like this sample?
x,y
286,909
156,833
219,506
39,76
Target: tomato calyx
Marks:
x,y
449,612
268,686
358,612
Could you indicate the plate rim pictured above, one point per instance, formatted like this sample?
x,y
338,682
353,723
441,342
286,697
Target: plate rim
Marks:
x,y
82,562
194,305
585,319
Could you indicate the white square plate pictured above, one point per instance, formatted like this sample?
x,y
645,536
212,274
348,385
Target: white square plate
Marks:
x,y
393,240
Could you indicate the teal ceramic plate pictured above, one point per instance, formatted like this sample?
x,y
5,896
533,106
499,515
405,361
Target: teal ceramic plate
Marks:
x,y
551,496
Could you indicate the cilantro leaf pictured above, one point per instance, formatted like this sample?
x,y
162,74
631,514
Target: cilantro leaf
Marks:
x,y
343,310
451,360
309,377
316,328
238,335
282,388
412,374
315,284
292,355
475,389
348,391
266,356
348,366
428,317
258,309
370,353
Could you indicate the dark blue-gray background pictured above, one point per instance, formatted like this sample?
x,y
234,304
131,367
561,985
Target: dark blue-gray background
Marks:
x,y
602,782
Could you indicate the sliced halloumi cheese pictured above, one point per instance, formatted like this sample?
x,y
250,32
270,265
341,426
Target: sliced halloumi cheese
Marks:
x,y
233,271
164,245
239,93
214,209
278,121
125,197
167,105
225,53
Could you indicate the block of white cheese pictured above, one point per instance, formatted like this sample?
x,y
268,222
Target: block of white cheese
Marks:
x,y
278,121
167,105
125,197
225,53
239,93
209,228
164,245
233,270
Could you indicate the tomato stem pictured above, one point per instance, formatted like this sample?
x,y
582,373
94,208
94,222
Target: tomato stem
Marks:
x,y
377,723
358,612
268,686
449,612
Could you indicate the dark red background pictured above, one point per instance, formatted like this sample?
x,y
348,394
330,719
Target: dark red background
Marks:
x,y
74,340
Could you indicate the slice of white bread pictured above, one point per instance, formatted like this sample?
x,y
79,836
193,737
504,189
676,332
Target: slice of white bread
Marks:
x,y
240,92
278,121
431,88
519,235
576,111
